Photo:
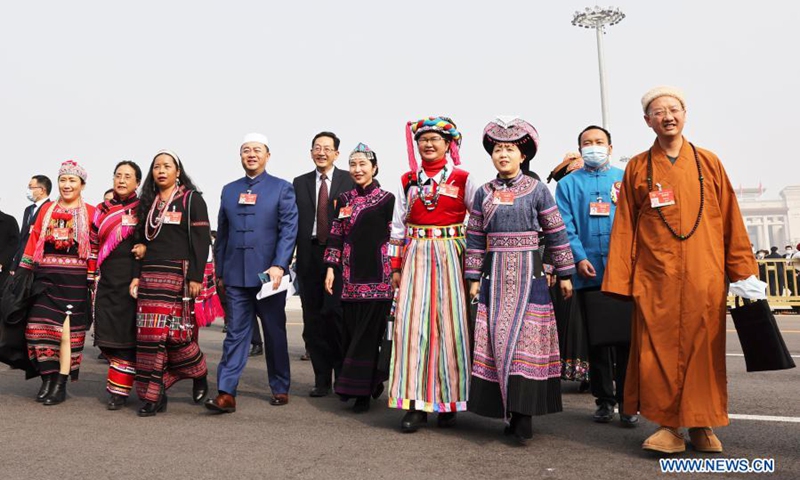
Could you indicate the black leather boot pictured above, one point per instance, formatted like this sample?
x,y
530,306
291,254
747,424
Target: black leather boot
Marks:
x,y
116,401
59,392
413,420
150,409
199,389
361,405
47,386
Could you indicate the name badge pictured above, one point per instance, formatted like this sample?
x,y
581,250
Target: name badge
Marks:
x,y
61,233
662,198
172,218
247,199
345,212
448,190
503,197
129,221
599,209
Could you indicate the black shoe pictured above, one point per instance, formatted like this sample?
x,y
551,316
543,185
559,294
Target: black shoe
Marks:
x,y
584,387
47,386
604,413
413,420
59,391
317,392
362,405
446,419
523,428
199,389
116,401
256,350
150,409
628,421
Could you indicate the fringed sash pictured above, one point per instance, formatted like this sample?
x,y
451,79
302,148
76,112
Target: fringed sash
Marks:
x,y
108,221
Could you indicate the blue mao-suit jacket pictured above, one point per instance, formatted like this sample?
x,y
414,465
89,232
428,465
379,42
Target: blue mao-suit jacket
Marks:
x,y
253,238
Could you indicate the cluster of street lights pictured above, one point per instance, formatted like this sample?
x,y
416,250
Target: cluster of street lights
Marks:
x,y
597,18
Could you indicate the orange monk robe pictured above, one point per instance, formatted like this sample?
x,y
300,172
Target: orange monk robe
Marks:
x,y
676,372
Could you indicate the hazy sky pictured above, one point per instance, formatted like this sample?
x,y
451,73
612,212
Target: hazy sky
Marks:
x,y
105,81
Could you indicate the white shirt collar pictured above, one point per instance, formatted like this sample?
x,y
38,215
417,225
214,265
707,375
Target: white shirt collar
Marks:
x,y
328,173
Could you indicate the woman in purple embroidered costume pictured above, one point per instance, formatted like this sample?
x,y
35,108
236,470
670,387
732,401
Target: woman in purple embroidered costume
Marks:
x,y
358,245
174,221
61,257
114,309
516,368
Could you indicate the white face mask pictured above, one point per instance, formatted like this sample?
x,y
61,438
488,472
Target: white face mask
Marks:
x,y
29,195
594,155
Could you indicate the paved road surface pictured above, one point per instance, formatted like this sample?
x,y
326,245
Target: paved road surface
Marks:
x,y
321,438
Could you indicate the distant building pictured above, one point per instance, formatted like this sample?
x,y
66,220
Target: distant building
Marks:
x,y
771,222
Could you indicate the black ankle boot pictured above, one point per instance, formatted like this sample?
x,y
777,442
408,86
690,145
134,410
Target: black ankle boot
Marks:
x,y
59,391
413,420
523,430
116,401
446,419
361,405
150,409
47,386
199,389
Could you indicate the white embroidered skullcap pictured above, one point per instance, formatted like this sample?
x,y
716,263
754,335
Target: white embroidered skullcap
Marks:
x,y
255,137
663,91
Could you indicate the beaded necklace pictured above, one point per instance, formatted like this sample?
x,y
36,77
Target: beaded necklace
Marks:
x,y
431,203
702,195
155,218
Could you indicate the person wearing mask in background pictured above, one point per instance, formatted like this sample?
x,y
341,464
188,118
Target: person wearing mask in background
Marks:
x,y
587,200
322,312
38,193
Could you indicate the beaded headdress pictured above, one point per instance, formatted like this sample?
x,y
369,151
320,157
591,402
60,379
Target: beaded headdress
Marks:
x,y
443,126
71,167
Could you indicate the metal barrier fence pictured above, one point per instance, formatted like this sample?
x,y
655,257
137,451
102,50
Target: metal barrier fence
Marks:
x,y
783,283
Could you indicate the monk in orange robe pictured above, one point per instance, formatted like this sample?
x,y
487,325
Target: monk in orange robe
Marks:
x,y
672,260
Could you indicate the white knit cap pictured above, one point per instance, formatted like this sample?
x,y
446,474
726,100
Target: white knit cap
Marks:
x,y
662,91
255,137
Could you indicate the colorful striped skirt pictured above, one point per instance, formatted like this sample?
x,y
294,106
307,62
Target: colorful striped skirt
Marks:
x,y
166,339
516,364
65,295
430,368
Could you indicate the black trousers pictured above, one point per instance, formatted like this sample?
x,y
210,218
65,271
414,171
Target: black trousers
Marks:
x,y
607,369
322,319
256,338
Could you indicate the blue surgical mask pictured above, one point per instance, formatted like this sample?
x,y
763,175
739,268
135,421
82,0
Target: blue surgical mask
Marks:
x,y
594,155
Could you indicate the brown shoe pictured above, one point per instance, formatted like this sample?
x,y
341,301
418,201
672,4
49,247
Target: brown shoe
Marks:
x,y
665,440
223,403
279,399
704,440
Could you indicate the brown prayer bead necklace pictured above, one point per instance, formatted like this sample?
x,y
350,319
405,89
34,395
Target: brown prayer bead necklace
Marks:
x,y
702,194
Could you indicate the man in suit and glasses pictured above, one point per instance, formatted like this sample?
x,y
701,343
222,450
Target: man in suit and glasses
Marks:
x,y
322,313
38,192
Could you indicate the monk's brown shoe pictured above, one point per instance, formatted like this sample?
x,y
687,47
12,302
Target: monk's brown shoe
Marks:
x,y
665,440
704,440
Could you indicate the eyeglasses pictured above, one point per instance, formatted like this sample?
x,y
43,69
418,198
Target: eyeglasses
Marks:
x,y
34,188
430,140
661,113
326,150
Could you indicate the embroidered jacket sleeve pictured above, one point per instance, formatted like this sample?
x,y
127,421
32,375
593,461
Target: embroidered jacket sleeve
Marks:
x,y
94,246
201,238
333,252
556,241
397,240
566,193
476,238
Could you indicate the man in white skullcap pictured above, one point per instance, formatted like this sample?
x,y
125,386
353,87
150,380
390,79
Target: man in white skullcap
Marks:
x,y
677,234
256,233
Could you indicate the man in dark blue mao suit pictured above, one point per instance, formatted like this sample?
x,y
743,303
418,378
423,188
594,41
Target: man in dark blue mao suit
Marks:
x,y
256,233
